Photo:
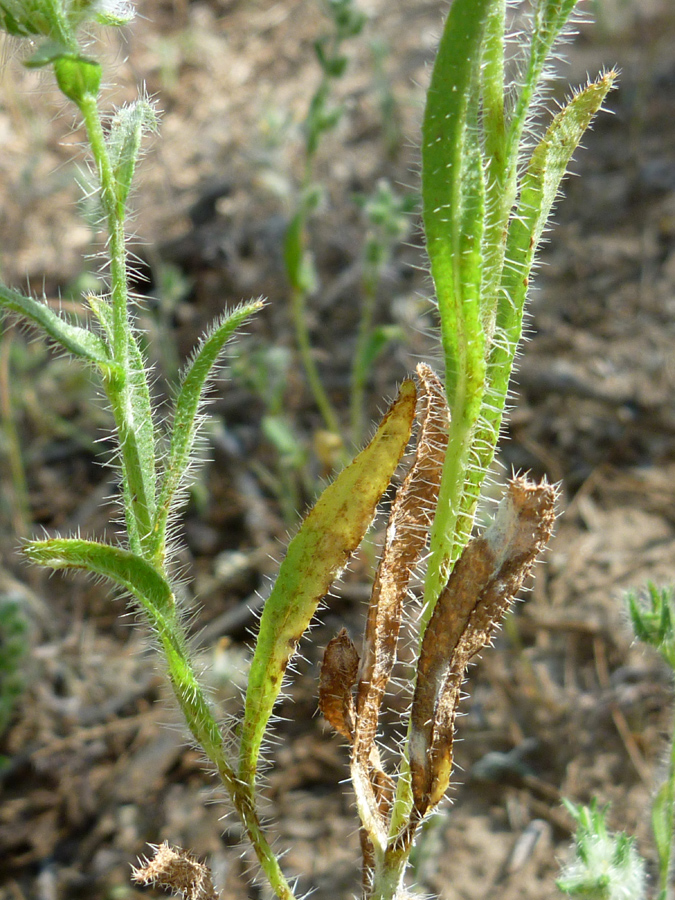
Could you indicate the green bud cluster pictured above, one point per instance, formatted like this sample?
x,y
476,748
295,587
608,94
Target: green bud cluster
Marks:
x,y
606,865
59,23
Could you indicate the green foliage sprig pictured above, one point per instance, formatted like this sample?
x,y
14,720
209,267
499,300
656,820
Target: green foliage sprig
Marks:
x,y
486,201
606,866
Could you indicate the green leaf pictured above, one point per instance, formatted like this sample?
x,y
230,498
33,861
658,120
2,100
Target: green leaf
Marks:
x,y
125,568
22,18
452,192
453,209
140,430
185,418
14,646
297,261
538,191
549,18
47,53
279,431
77,77
144,582
129,396
328,536
73,338
103,312
130,400
378,340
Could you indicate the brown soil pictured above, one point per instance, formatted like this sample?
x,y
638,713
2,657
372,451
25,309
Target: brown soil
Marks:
x,y
94,773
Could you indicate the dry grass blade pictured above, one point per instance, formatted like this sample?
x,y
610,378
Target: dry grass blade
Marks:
x,y
178,871
482,585
338,676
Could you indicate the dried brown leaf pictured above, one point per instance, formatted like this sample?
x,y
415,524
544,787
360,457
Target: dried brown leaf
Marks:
x,y
407,531
179,871
481,587
338,676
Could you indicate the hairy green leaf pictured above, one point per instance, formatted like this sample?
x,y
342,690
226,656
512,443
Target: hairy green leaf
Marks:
x,y
125,568
548,20
185,419
662,826
124,143
130,400
452,191
47,53
131,404
328,536
147,585
73,338
539,189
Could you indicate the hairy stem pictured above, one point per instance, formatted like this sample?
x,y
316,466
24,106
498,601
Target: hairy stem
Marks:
x,y
205,730
299,313
115,225
666,859
137,467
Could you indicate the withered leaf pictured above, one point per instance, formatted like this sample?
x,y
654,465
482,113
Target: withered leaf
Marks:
x,y
409,522
178,871
479,591
338,676
410,518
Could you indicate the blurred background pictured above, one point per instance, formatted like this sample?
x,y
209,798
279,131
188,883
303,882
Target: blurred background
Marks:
x,y
563,705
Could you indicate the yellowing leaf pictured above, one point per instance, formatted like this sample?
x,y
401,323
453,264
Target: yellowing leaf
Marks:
x,y
327,538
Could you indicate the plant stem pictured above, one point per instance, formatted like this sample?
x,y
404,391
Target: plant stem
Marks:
x,y
299,314
20,505
388,874
666,859
139,510
360,364
452,518
114,213
123,389
206,732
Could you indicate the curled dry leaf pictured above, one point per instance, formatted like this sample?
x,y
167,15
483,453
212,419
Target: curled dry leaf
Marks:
x,y
407,530
179,871
338,676
480,589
